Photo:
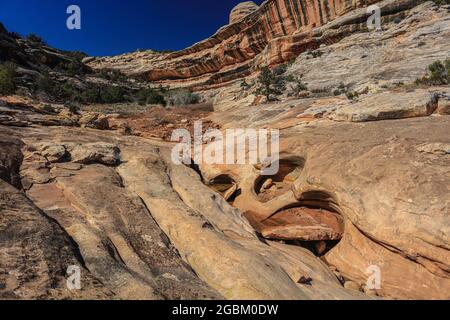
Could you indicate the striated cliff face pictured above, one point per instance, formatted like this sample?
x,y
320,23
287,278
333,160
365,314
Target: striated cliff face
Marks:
x,y
273,34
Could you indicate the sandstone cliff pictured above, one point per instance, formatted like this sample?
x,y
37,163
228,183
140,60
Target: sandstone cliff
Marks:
x,y
275,33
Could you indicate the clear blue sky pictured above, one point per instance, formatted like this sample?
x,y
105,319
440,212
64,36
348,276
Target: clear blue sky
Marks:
x,y
116,26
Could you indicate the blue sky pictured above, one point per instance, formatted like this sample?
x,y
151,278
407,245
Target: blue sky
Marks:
x,y
116,26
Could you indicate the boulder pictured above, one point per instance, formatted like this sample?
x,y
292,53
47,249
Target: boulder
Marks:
x,y
35,169
242,10
388,105
53,152
94,120
99,152
443,105
435,148
10,159
303,224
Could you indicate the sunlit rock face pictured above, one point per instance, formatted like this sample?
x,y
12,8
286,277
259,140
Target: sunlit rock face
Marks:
x,y
242,10
271,34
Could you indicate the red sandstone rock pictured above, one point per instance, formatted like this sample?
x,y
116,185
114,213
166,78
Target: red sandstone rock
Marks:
x,y
300,223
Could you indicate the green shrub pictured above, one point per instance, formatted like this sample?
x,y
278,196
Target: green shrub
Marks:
x,y
162,51
299,85
73,107
35,39
280,70
77,55
244,85
441,2
7,76
337,92
66,92
112,75
91,95
112,94
182,97
43,83
315,53
438,74
352,95
15,35
341,89
48,108
150,96
73,68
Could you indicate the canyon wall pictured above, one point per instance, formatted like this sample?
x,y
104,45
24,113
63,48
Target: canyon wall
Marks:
x,y
275,33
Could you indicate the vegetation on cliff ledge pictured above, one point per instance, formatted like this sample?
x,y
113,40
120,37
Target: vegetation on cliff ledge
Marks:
x,y
438,74
7,75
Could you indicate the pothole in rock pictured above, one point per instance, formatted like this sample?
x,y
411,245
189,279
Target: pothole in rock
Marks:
x,y
226,186
270,187
313,224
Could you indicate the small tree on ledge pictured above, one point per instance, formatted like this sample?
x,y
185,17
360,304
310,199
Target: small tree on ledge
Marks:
x,y
271,83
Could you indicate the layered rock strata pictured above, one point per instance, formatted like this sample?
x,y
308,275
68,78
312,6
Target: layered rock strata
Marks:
x,y
275,33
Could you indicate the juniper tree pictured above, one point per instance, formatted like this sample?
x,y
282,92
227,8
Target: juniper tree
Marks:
x,y
271,83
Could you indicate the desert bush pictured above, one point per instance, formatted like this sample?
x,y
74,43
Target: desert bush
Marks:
x,y
441,2
33,38
112,75
54,90
352,95
112,94
43,83
66,91
341,89
150,96
91,95
73,107
182,97
7,76
244,85
299,85
315,53
48,108
438,74
163,51
15,35
77,55
73,68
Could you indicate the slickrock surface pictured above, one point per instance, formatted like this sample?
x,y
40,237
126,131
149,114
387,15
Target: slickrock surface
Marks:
x,y
377,175
108,212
